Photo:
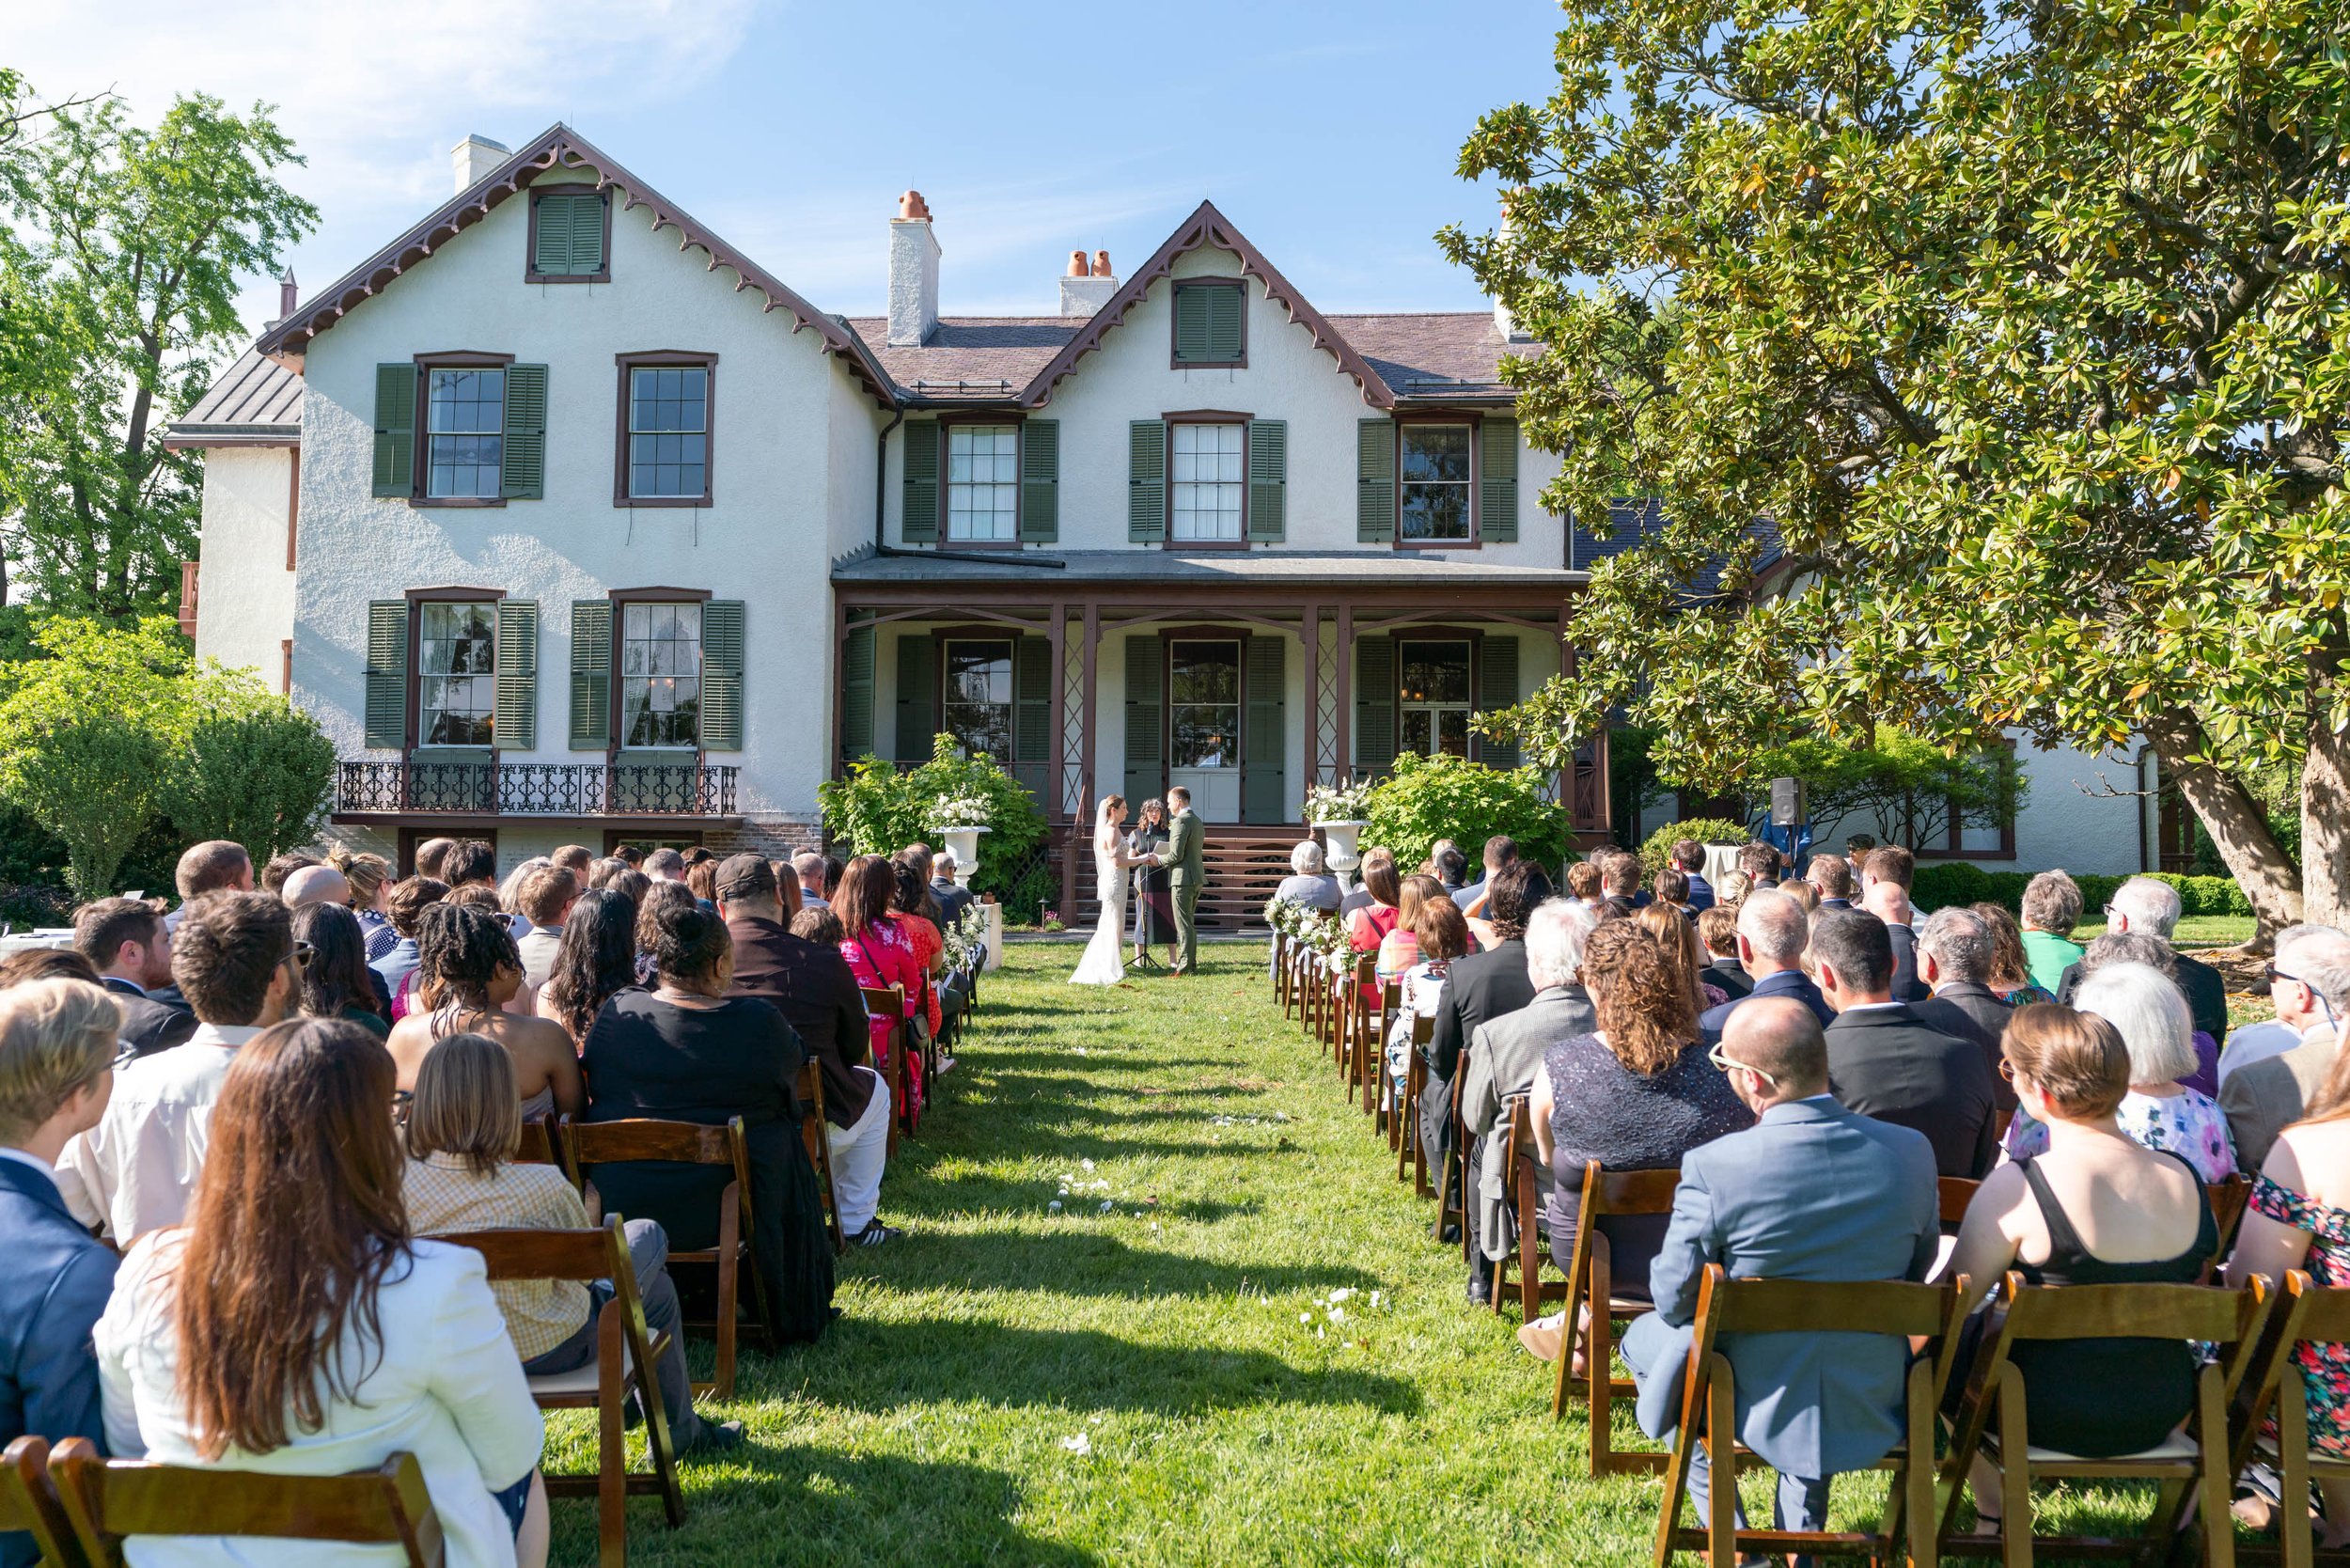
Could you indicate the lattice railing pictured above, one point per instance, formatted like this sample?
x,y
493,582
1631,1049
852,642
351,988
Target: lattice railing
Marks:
x,y
537,789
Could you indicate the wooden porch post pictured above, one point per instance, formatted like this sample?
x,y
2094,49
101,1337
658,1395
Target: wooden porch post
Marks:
x,y
840,678
1057,787
1343,720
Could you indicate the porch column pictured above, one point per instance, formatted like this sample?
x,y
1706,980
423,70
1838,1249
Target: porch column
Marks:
x,y
1056,786
1343,718
839,678
1310,633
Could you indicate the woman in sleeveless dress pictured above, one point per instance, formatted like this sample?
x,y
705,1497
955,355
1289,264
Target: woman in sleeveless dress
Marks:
x,y
1157,917
1105,961
467,970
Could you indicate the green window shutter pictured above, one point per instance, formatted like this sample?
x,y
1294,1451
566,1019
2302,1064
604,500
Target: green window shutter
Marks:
x,y
1039,481
1264,736
1032,702
1496,689
551,248
1268,479
387,674
524,472
722,675
592,674
588,258
570,235
917,700
856,692
1374,705
1146,675
1191,326
514,722
1146,481
1208,323
1224,322
1497,483
917,521
1374,481
396,431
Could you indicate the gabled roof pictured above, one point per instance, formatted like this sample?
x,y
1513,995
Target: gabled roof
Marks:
x,y
256,403
561,147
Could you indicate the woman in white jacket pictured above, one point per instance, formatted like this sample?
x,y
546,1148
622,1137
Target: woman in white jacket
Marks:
x,y
293,1327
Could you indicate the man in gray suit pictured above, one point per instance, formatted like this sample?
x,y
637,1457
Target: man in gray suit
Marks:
x,y
1811,1191
2309,981
1505,1053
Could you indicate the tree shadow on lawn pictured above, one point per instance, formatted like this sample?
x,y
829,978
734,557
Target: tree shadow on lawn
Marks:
x,y
1085,1262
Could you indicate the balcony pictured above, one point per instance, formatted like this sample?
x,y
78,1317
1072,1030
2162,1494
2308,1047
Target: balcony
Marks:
x,y
533,790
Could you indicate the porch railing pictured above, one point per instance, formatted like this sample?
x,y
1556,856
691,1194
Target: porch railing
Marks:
x,y
537,789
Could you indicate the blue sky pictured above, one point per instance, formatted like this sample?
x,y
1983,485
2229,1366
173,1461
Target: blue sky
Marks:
x,y
1328,133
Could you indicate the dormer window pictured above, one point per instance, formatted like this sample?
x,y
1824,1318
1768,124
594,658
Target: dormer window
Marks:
x,y
570,237
1210,323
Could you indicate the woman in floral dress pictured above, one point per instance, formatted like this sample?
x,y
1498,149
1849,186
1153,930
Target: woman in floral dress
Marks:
x,y
880,955
2160,1112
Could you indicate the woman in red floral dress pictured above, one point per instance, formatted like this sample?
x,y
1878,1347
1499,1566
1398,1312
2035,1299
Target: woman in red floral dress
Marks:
x,y
880,955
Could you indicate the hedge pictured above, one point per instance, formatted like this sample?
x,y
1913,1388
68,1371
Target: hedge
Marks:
x,y
1946,883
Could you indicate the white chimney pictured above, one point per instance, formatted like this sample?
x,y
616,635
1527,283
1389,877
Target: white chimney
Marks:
x,y
1086,288
913,274
474,158
1504,322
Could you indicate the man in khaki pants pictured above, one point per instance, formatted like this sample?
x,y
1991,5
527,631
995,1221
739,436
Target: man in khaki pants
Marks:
x,y
1186,875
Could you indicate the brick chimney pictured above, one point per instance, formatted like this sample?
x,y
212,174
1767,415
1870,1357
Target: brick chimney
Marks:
x,y
913,274
474,158
1087,287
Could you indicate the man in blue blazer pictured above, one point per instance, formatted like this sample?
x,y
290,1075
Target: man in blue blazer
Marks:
x,y
1772,930
1811,1191
57,1044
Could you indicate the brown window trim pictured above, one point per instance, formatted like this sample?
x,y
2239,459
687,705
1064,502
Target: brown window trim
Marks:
x,y
285,679
980,630
1180,285
615,837
647,359
449,359
619,598
1956,836
946,420
1205,416
530,239
1475,421
417,598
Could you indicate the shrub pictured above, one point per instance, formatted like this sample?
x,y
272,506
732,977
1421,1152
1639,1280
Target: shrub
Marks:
x,y
1427,798
1659,846
256,769
878,811
1946,883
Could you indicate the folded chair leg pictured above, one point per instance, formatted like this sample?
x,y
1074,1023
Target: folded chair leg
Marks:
x,y
2015,1473
611,1447
2213,1479
2295,1528
1721,1450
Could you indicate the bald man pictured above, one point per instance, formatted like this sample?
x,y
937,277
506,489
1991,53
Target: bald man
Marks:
x,y
316,885
1772,932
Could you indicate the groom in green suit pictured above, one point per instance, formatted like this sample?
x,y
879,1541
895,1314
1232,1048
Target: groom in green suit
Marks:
x,y
1184,877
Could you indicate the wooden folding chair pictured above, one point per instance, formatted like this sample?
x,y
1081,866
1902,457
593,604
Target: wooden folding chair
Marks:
x,y
1452,1168
816,1133
1383,1099
2228,1201
1709,1411
1591,1278
105,1500
1354,1069
890,1002
1525,1167
626,1353
29,1502
2189,1467
689,1143
2304,1313
1280,967
542,1144
1410,1152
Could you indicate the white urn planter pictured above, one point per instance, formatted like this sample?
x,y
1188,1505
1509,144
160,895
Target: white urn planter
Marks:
x,y
1338,849
963,844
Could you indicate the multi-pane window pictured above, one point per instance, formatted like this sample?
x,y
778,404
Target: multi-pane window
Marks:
x,y
977,706
1210,468
1433,698
465,432
456,673
1435,474
983,482
668,431
661,675
1203,704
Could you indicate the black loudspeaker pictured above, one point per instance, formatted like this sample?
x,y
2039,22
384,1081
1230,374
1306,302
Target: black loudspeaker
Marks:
x,y
1787,803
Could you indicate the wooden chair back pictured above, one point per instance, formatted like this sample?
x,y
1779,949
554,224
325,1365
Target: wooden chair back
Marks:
x,y
2228,1201
2304,1312
1380,1098
1361,1020
29,1502
816,1134
1956,1193
1522,1161
542,1144
890,1002
1410,1154
106,1500
1591,1277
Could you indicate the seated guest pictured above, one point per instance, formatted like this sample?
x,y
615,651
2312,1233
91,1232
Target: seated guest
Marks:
x,y
686,1052
2159,1111
405,906
952,896
1400,948
2098,1208
1953,956
810,867
575,858
1370,911
281,869
835,869
658,898
1688,859
1717,936
805,980
1583,885
1669,887
599,875
1635,1092
1449,864
544,897
1856,848
2010,975
1761,862
1501,850
2130,947
596,961
295,1327
2147,906
319,883
1685,960
1505,1057
1811,1191
1308,885
464,1132
468,972
880,956
1439,935
471,863
1884,1062
336,979
632,884
432,858
666,865
56,1050
1773,934
912,910
27,965
701,880
128,944
1806,896
1478,988
630,854
2052,907
2308,982
370,881
1884,893
214,865
1619,882
1831,878
1734,886
235,961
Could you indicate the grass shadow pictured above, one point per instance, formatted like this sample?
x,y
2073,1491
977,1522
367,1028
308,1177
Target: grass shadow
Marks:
x,y
1086,1263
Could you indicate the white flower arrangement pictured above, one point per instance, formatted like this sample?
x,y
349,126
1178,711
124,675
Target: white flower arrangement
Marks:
x,y
959,811
1345,802
966,940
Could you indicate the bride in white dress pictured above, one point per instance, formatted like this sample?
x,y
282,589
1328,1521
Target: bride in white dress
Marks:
x,y
1105,961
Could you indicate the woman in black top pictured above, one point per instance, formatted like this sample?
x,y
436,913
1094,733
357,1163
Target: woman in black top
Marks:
x,y
685,1052
1149,836
337,982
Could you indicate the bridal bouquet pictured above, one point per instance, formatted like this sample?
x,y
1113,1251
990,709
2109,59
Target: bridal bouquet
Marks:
x,y
966,941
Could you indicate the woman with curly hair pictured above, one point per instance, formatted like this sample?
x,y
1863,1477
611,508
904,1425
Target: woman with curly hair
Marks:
x,y
1637,1093
1677,944
594,963
2010,977
467,970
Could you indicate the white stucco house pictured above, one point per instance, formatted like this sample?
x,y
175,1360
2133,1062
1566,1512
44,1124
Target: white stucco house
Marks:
x,y
571,522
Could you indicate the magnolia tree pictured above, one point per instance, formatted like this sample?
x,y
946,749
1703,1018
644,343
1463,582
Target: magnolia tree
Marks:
x,y
2025,328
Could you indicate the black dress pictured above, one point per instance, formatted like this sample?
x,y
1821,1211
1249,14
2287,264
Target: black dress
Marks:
x,y
649,1058
1158,893
2098,1397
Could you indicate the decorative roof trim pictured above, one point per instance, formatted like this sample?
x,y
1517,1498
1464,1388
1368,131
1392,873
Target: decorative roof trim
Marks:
x,y
561,147
1208,228
188,438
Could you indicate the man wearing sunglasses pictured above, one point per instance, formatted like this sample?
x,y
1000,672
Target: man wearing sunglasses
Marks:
x,y
2309,980
233,956
1811,1191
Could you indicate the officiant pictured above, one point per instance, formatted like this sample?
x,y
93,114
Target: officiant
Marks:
x,y
1154,908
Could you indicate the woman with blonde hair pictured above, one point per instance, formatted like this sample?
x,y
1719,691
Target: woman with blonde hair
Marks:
x,y
370,879
1105,961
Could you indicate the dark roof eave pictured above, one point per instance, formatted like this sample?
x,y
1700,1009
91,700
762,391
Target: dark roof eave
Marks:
x,y
182,438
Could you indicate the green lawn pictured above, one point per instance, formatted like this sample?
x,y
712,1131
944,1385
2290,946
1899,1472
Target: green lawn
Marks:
x,y
1165,1382
2195,931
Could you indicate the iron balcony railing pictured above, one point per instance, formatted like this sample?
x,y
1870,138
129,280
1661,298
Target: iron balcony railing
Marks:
x,y
537,789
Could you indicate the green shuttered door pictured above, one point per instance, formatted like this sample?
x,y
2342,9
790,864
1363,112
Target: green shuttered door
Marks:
x,y
1033,704
917,706
1264,739
722,675
395,430
856,691
919,516
592,674
514,724
1146,766
387,674
1374,704
1497,688
1374,481
1146,481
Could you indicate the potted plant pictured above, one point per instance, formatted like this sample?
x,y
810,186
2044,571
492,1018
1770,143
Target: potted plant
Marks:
x,y
1341,812
961,819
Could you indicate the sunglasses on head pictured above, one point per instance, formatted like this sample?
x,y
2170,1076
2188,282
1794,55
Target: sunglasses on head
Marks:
x,y
1723,1061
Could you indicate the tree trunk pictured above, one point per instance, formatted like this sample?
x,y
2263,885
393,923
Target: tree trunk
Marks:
x,y
2237,825
2326,798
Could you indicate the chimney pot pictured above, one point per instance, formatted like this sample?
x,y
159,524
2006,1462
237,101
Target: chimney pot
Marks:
x,y
1077,263
913,209
288,295
1101,264
1087,287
